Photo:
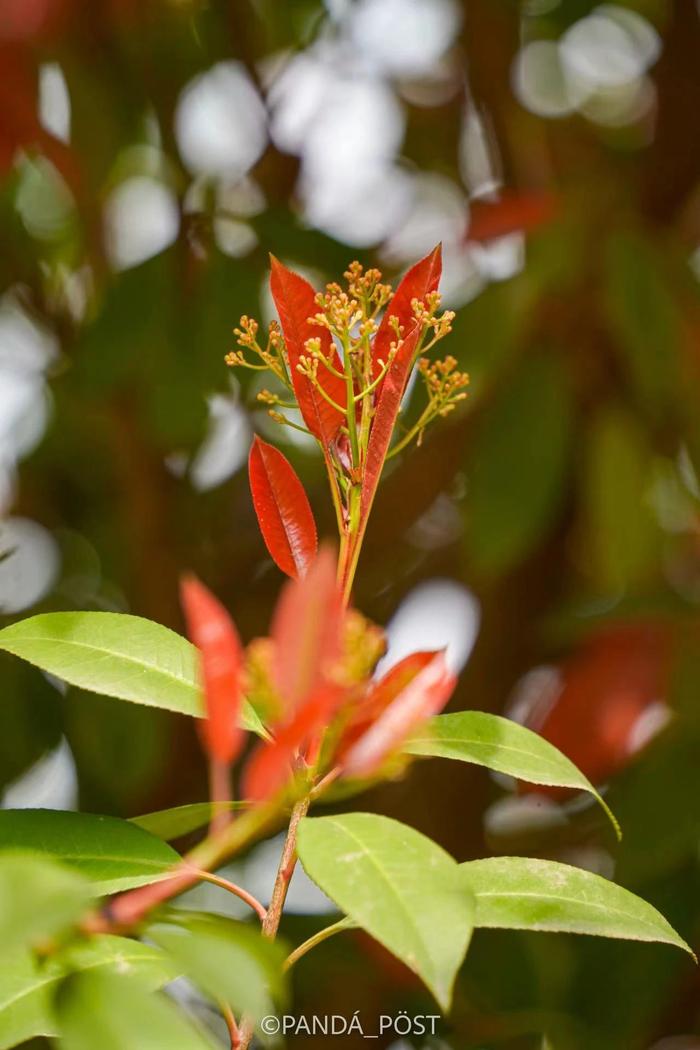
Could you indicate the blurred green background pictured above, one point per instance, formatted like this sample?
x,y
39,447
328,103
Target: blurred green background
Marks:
x,y
151,155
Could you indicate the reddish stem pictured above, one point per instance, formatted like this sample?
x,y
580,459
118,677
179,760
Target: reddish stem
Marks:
x,y
219,791
233,1032
285,871
236,890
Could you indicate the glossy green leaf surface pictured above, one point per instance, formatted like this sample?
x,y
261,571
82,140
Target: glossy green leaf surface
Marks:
x,y
503,745
525,894
397,885
168,824
118,655
112,854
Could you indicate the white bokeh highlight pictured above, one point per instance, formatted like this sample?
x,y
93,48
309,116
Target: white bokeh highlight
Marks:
x,y
220,122
141,219
29,566
437,614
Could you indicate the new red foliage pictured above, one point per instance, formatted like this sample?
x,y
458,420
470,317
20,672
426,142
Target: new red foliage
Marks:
x,y
284,515
425,695
418,282
295,301
212,630
306,631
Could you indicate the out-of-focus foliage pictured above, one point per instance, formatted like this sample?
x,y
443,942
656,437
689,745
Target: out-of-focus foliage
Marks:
x,y
151,156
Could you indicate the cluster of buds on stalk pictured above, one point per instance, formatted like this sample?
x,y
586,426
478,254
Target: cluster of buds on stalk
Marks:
x,y
313,683
343,358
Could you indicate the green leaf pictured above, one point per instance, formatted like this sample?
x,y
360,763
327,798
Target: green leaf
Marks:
x,y
25,1000
123,656
398,885
121,955
113,854
228,960
38,897
523,894
518,465
501,744
115,1013
27,986
170,824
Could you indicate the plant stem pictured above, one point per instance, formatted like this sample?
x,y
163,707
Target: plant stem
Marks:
x,y
318,938
285,871
237,891
129,908
219,791
233,1032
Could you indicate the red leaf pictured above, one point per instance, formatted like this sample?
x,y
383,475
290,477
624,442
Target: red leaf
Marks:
x,y
609,691
381,694
385,416
270,766
425,695
421,279
512,213
284,515
306,631
212,630
295,301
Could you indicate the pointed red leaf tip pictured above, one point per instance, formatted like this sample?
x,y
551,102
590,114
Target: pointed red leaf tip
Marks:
x,y
271,765
295,301
212,630
380,695
421,279
425,695
306,631
385,416
284,515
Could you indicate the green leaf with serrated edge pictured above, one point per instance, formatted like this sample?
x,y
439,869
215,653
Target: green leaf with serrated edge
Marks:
x,y
228,960
396,884
523,894
115,1012
503,745
170,824
118,655
27,986
38,896
112,854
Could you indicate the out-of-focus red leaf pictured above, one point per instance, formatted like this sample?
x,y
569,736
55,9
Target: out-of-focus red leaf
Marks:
x,y
306,631
270,766
426,694
512,213
295,301
385,416
284,515
382,693
609,692
395,972
29,19
421,279
212,630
